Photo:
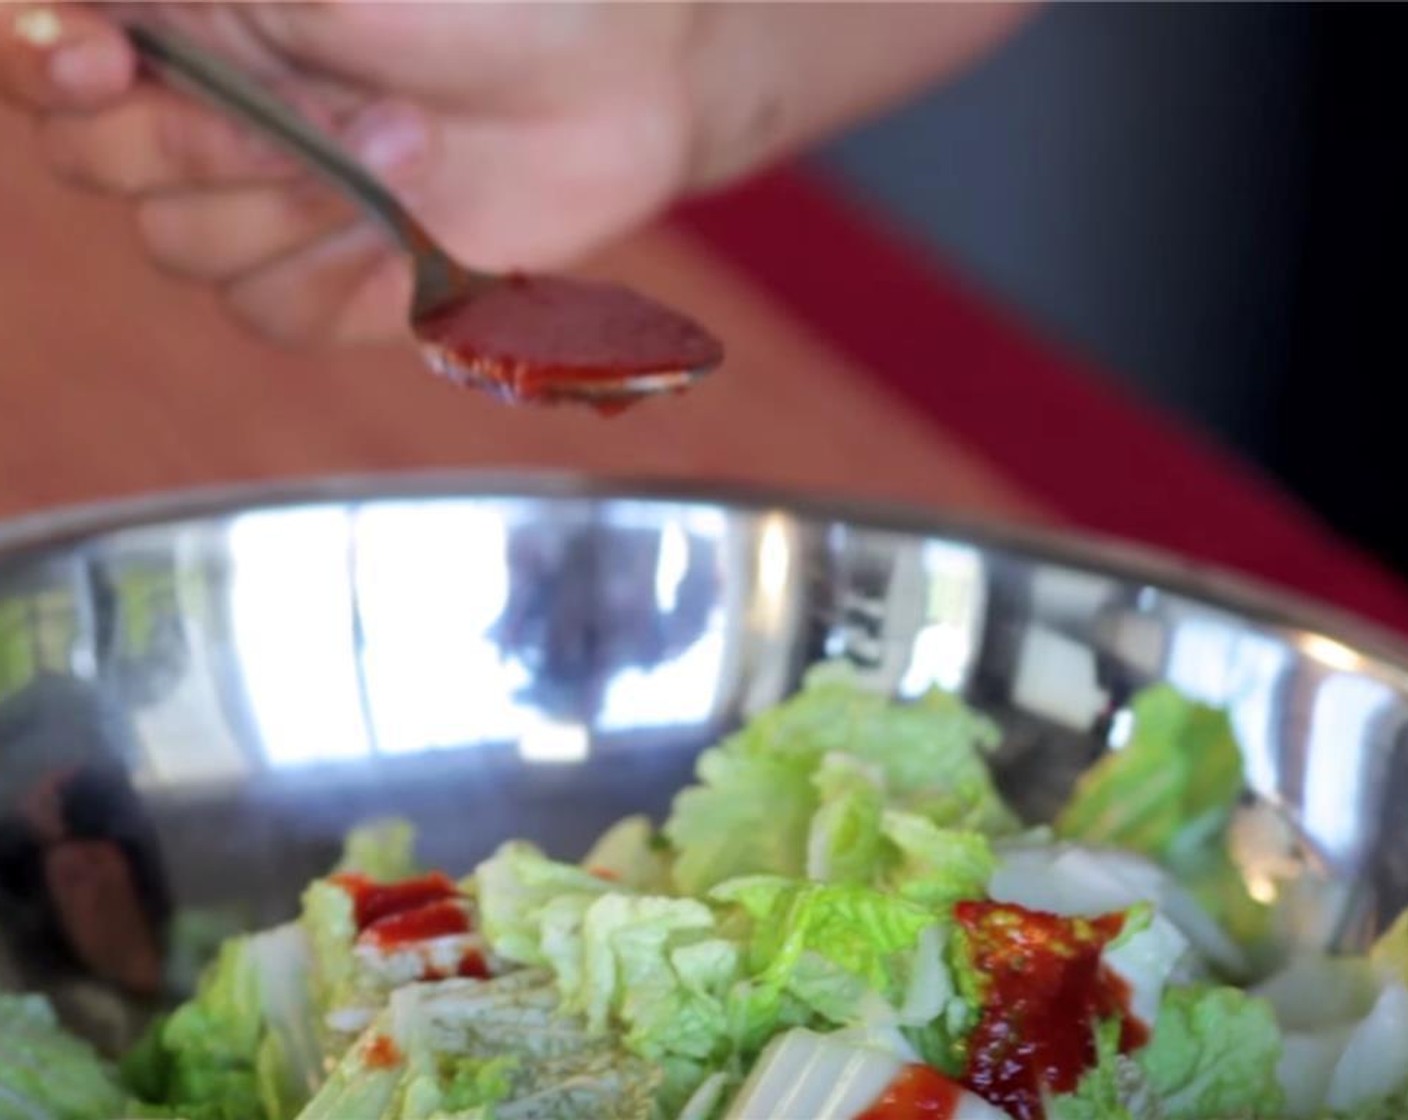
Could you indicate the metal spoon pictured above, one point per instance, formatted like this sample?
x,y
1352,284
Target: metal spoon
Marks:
x,y
545,339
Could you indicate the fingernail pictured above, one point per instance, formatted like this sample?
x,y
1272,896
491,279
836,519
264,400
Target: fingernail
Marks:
x,y
39,27
88,66
389,138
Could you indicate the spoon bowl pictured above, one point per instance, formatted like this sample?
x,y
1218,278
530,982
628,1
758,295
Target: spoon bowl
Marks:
x,y
549,339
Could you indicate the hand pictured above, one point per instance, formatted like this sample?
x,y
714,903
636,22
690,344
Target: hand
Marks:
x,y
522,134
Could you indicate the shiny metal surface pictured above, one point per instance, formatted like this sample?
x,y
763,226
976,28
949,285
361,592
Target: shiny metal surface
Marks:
x,y
198,694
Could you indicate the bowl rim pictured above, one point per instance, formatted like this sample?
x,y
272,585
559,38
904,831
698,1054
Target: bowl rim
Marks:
x,y
1297,616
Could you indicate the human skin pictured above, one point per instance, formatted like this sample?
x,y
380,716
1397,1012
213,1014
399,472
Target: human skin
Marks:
x,y
524,135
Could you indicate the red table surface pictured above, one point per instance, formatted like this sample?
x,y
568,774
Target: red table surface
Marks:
x,y
859,367
1051,422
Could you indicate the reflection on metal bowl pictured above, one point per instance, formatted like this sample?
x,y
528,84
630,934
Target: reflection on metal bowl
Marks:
x,y
199,694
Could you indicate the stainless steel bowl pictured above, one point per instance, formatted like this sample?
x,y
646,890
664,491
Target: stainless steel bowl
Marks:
x,y
198,694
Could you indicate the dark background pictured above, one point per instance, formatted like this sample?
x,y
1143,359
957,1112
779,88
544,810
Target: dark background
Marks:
x,y
1207,198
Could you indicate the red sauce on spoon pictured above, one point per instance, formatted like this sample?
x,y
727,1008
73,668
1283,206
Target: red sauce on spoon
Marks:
x,y
548,339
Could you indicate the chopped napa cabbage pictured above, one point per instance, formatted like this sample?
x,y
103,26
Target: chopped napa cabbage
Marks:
x,y
1307,1064
1213,1056
854,838
1213,1053
1181,770
1346,1032
1312,992
202,1060
329,923
1145,955
1348,1069
701,984
351,979
46,1073
750,814
707,1101
783,947
366,1079
452,1086
516,886
246,1046
834,948
1169,793
1073,880
1374,1062
382,850
289,1065
1389,1108
475,1050
1209,874
656,966
826,753
631,854
935,866
802,1073
1112,1089
514,1014
844,839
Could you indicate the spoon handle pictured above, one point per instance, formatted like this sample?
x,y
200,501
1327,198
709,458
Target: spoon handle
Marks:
x,y
186,65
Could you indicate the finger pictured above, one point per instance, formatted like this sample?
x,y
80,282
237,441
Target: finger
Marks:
x,y
154,140
221,235
302,299
62,56
158,140
230,32
378,308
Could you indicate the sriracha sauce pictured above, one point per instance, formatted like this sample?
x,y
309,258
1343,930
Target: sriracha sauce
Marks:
x,y
918,1093
1044,990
